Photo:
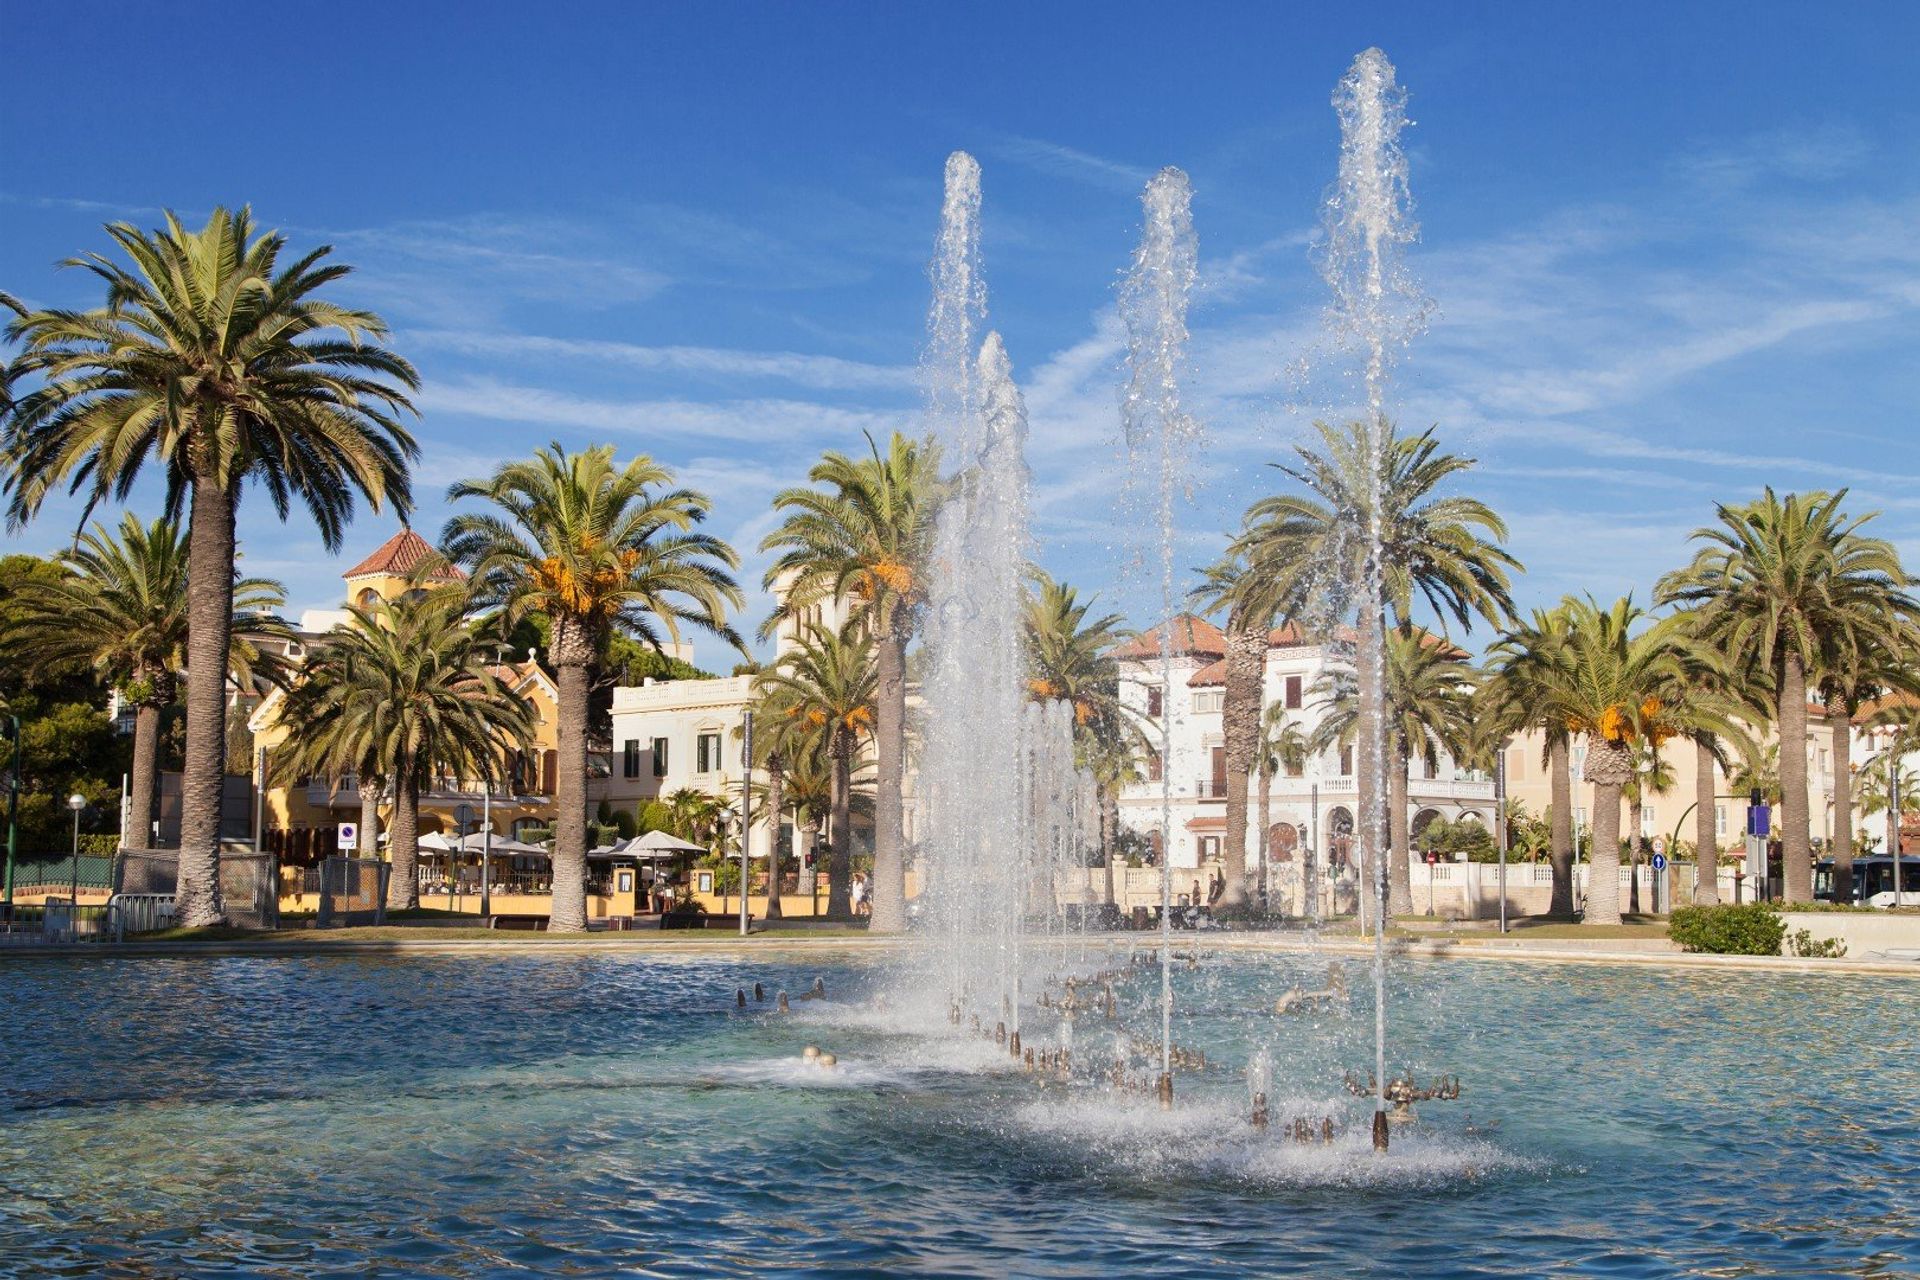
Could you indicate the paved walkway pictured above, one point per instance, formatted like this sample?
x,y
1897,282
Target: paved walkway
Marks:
x,y
1615,951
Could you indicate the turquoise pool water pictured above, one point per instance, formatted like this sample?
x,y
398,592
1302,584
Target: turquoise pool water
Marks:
x,y
589,1115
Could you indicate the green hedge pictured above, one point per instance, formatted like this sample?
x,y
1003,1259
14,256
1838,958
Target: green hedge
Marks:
x,y
1751,929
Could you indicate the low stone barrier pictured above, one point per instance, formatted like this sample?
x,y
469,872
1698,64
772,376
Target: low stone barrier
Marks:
x,y
1868,934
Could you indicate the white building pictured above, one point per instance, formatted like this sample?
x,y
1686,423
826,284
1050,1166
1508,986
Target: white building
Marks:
x,y
670,735
1197,765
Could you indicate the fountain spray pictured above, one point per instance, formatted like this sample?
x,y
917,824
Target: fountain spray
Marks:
x,y
1160,440
997,772
1377,307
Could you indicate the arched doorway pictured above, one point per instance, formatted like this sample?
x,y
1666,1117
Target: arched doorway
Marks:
x,y
1340,837
1422,820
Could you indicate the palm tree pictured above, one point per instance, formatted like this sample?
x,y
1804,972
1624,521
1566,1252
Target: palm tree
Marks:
x,y
13,304
1622,684
777,739
405,692
224,366
1070,659
1782,582
1251,612
120,607
1282,744
1316,548
863,534
1856,666
593,547
1429,714
828,683
1519,663
807,790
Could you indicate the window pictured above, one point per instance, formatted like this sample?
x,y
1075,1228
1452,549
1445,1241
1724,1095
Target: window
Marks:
x,y
630,758
1296,768
1646,821
1293,693
1209,700
1209,848
706,753
1346,762
1153,766
1155,703
1720,820
659,757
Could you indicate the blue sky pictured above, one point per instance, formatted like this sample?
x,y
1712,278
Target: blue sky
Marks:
x,y
1675,250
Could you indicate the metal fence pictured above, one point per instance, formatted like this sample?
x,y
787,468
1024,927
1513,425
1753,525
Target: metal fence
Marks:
x,y
249,882
56,920
56,874
353,891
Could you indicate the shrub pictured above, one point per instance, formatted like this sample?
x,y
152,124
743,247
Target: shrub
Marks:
x,y
1801,942
98,844
1750,929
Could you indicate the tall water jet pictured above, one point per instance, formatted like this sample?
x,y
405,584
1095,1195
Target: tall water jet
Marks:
x,y
1160,440
1376,308
997,773
959,306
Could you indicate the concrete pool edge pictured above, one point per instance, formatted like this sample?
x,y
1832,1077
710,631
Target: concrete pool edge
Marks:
x,y
1569,951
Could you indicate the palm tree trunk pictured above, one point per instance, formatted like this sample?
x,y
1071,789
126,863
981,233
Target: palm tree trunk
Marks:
x,y
888,892
367,838
1240,720
1399,835
1370,836
1706,826
1264,841
1609,767
197,903
1560,775
403,890
1842,724
146,776
840,855
1603,863
1796,852
571,652
1635,813
776,799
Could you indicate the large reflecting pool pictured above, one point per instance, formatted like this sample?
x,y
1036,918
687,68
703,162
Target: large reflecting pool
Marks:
x,y
601,1114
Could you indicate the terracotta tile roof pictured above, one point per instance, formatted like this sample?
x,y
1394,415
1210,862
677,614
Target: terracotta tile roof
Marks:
x,y
1191,635
1870,708
1214,673
399,556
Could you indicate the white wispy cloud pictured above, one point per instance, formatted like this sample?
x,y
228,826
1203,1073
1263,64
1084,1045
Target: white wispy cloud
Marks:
x,y
817,372
1804,153
764,421
1070,162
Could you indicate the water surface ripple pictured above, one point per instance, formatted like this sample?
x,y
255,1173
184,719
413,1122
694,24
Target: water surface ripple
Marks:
x,y
588,1115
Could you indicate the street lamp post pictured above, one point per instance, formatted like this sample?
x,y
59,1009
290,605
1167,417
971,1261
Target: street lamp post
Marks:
x,y
13,807
746,816
76,803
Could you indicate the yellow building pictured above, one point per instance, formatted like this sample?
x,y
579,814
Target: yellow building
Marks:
x,y
301,821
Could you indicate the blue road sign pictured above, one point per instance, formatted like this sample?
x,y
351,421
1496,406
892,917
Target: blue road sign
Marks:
x,y
1659,862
